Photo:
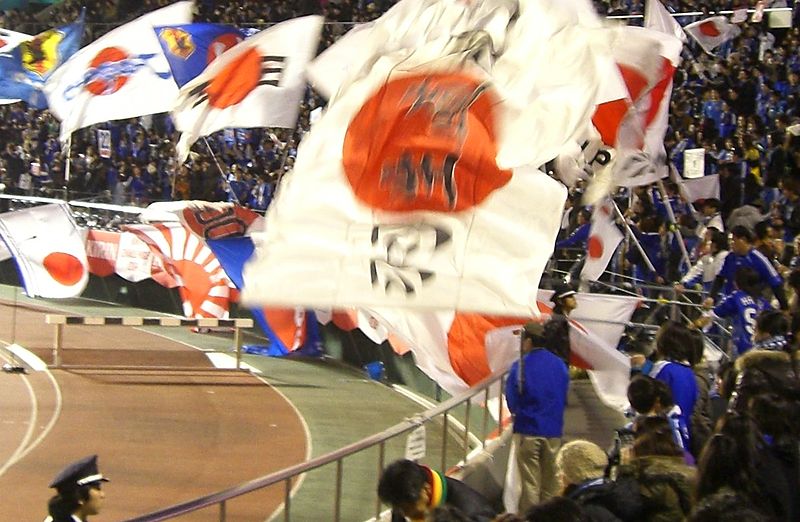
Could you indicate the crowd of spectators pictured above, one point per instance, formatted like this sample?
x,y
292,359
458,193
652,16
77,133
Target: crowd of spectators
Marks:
x,y
741,105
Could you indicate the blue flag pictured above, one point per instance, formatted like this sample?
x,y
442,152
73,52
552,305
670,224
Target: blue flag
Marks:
x,y
26,67
189,48
286,330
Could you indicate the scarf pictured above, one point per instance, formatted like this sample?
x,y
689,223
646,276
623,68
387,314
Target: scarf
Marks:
x,y
438,487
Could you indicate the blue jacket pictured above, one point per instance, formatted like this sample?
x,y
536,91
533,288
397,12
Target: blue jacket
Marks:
x,y
539,409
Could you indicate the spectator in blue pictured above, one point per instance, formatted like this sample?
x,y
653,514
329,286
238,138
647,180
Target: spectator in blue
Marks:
x,y
536,392
649,233
674,344
579,236
744,255
741,307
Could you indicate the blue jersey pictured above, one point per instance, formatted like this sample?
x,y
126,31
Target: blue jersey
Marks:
x,y
742,310
683,385
753,259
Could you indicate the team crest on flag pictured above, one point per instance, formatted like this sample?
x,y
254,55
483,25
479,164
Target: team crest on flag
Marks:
x,y
40,55
110,70
179,42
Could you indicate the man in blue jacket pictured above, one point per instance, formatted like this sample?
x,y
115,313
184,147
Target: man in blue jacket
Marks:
x,y
537,397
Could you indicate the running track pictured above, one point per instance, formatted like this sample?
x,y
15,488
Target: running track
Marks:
x,y
163,437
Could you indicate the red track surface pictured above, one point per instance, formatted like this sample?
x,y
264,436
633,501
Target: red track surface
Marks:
x,y
163,437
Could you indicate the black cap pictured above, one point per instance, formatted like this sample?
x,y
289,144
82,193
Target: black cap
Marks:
x,y
561,291
77,474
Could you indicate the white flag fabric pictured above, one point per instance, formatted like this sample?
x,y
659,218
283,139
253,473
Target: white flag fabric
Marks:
x,y
257,83
604,238
49,250
706,187
457,350
329,70
122,74
712,32
396,197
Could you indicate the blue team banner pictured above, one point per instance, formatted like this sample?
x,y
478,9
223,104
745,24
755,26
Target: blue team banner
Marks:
x,y
284,337
26,67
189,48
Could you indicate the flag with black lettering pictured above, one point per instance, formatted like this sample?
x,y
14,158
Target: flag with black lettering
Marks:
x,y
257,83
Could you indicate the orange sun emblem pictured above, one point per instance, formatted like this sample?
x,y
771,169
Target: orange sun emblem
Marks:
x,y
425,142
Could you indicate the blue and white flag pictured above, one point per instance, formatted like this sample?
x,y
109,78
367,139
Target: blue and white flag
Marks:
x,y
25,68
189,48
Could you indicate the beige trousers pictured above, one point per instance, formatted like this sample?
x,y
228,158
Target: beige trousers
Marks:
x,y
536,461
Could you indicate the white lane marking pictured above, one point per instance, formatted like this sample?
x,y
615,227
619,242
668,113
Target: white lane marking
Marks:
x,y
223,360
28,357
26,447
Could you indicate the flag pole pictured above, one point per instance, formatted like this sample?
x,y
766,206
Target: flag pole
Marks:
x,y
221,172
633,236
671,214
67,166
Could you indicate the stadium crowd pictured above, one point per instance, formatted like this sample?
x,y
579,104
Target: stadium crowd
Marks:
x,y
742,106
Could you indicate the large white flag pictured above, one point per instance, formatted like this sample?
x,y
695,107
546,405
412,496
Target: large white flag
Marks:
x,y
258,83
712,32
604,238
122,74
457,350
49,250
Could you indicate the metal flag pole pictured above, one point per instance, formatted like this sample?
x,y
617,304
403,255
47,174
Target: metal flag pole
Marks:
x,y
633,236
671,215
219,168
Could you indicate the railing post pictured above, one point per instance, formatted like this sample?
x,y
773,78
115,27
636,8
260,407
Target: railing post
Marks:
x,y
337,507
466,431
444,441
485,416
287,499
381,461
222,511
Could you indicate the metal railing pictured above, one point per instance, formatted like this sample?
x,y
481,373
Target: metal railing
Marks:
x,y
491,386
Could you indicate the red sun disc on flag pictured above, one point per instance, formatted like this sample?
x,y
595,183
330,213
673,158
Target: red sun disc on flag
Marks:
x,y
595,247
63,268
235,81
425,142
709,28
221,44
100,85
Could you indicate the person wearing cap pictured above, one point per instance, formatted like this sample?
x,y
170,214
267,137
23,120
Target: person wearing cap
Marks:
x,y
536,393
556,331
78,492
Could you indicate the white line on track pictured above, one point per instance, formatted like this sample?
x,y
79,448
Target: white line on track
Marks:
x,y
26,446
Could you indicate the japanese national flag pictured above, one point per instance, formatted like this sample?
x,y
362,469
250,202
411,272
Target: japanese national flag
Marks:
x,y
397,199
604,237
258,83
49,250
712,32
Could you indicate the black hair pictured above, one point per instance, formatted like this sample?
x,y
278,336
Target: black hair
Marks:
x,y
62,505
557,509
674,341
747,280
772,322
654,437
402,482
742,232
643,391
719,239
712,202
761,229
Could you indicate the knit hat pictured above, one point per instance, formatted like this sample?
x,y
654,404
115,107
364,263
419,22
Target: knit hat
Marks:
x,y
581,460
